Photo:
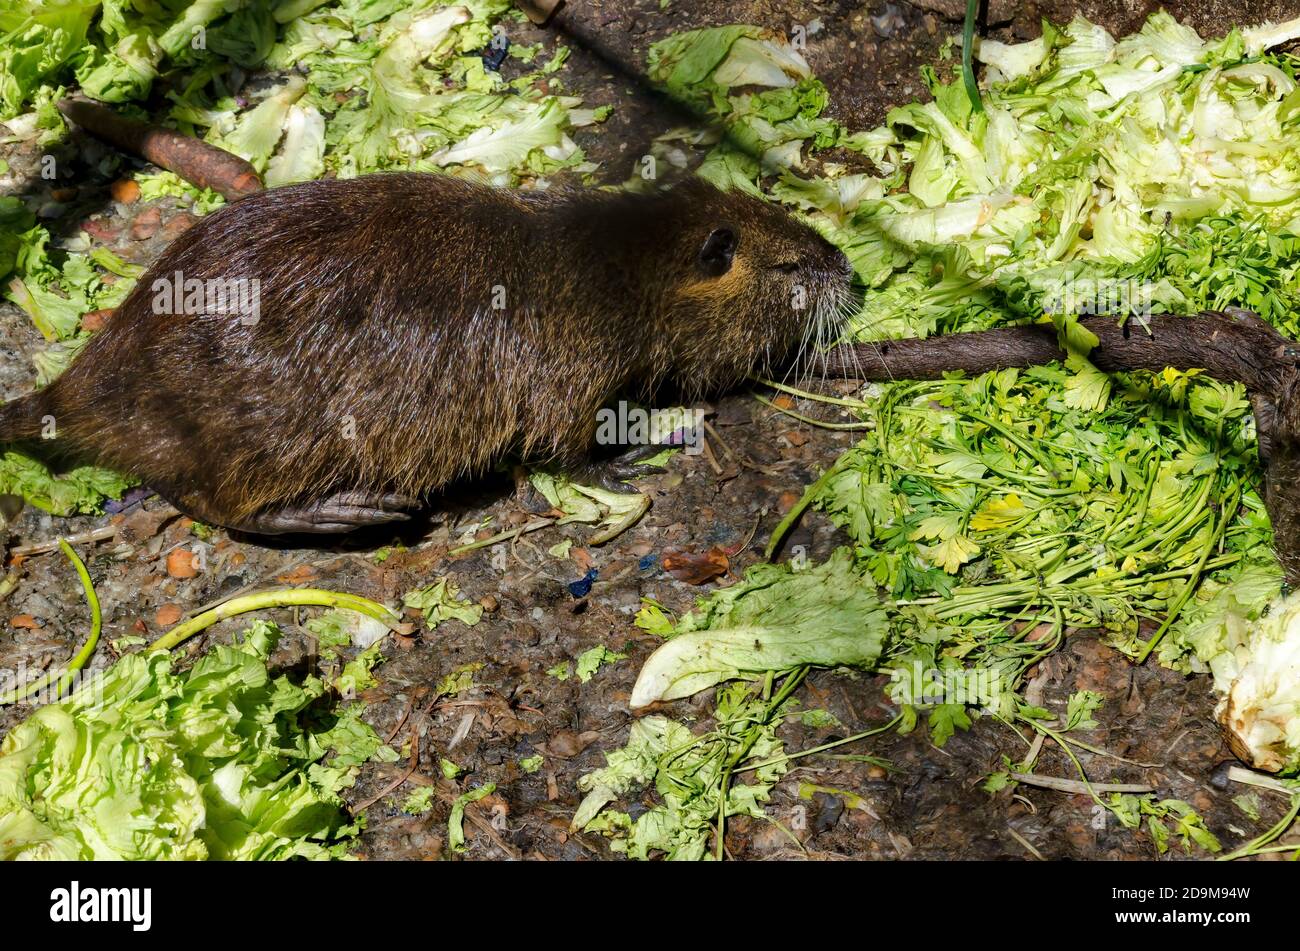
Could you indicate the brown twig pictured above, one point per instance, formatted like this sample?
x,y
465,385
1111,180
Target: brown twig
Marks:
x,y
194,160
417,695
81,538
1229,345
709,457
711,430
1061,784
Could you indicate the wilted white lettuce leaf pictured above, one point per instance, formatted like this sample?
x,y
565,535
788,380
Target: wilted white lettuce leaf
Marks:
x,y
774,619
1257,671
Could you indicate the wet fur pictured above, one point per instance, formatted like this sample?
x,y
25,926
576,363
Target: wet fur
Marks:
x,y
376,318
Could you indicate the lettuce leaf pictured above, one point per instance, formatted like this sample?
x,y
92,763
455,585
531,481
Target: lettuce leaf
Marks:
x,y
37,39
775,619
224,761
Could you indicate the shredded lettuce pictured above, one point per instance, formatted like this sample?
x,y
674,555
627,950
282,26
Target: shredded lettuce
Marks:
x,y
223,761
37,39
442,601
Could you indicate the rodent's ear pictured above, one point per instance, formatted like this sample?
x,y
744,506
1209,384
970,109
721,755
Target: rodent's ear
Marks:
x,y
718,250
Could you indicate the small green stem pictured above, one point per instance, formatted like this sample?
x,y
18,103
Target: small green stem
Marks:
x,y
96,618
808,419
1257,845
507,535
1229,511
792,681
1060,741
65,676
815,397
968,56
821,749
792,516
1011,437
282,598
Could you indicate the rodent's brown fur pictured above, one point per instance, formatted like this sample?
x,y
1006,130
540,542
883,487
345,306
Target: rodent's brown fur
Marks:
x,y
377,320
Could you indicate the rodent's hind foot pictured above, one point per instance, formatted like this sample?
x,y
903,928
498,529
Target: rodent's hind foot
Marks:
x,y
335,514
613,475
642,453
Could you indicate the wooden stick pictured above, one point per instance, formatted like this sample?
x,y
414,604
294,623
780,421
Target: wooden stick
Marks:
x,y
194,160
1228,345
81,538
1060,784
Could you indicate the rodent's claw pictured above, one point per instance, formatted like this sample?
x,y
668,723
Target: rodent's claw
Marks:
x,y
628,470
640,453
341,512
610,484
613,476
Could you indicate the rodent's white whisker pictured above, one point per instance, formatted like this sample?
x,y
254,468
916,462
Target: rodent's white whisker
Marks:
x,y
848,311
799,352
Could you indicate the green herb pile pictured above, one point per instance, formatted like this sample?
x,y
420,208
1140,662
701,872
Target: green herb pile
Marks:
x,y
695,776
995,510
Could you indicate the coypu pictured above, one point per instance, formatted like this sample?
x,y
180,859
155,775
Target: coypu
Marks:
x,y
399,331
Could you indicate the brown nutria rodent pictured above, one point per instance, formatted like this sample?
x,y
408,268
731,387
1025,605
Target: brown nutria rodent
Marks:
x,y
371,340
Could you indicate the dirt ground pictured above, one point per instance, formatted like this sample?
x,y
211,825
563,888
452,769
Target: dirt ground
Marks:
x,y
928,802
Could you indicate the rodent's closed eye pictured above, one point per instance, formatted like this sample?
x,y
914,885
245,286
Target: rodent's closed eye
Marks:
x,y
785,267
